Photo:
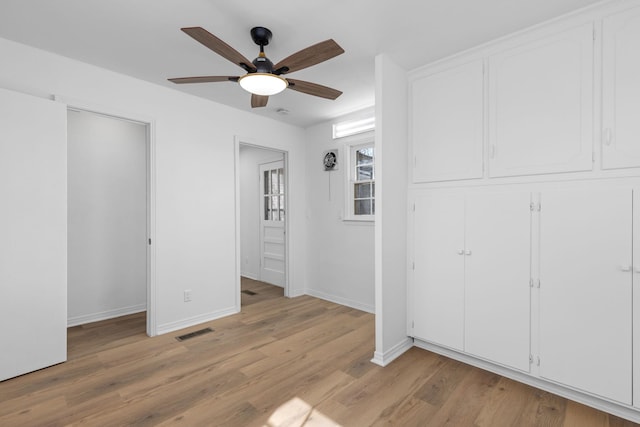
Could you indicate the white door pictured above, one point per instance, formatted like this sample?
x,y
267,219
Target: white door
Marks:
x,y
585,290
540,105
621,90
33,233
272,223
438,277
447,124
497,292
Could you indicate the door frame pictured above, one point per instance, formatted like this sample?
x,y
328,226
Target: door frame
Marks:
x,y
238,141
80,105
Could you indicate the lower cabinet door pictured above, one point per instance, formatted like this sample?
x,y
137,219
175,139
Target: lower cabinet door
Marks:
x,y
438,280
497,290
586,291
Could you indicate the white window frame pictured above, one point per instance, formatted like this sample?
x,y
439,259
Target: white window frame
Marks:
x,y
352,144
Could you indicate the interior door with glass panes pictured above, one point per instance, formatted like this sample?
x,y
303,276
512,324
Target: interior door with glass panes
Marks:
x,y
272,223
364,205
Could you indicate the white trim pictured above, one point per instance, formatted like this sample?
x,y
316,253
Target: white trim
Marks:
x,y
248,276
195,320
150,123
624,411
342,301
104,315
383,359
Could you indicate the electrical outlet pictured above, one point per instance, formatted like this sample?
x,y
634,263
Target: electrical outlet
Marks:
x,y
187,295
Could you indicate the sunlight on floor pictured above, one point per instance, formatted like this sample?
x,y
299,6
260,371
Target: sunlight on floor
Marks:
x,y
297,413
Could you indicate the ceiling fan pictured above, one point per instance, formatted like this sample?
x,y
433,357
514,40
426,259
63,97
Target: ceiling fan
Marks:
x,y
263,78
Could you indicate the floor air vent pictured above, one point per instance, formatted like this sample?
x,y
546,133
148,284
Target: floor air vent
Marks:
x,y
194,334
248,292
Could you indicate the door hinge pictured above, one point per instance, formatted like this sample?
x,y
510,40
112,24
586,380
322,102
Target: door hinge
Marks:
x,y
535,207
414,207
538,361
533,282
149,240
531,359
413,265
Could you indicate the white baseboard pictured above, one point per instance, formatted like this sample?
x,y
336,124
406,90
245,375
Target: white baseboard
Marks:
x,y
104,315
620,410
293,293
342,301
249,275
196,320
383,359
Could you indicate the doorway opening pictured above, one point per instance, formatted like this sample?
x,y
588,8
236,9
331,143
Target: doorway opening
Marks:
x,y
108,218
262,203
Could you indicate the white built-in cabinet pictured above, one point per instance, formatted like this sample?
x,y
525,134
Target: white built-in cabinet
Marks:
x,y
540,105
479,256
621,90
540,276
447,123
471,274
586,275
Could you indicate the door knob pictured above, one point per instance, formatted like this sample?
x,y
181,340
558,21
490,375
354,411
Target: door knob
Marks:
x,y
467,252
460,252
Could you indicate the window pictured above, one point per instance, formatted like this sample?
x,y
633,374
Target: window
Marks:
x,y
273,193
361,192
340,130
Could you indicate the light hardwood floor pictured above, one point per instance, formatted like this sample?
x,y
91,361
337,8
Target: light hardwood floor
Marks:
x,y
281,362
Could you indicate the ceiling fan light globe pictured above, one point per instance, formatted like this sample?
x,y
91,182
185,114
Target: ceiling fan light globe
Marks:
x,y
263,84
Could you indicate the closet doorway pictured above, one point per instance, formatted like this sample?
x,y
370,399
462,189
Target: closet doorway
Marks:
x,y
108,230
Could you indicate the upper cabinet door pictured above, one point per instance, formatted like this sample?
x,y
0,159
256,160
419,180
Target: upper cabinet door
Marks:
x,y
621,91
541,106
447,124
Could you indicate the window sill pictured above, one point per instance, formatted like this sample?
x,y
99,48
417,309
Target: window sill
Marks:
x,y
356,220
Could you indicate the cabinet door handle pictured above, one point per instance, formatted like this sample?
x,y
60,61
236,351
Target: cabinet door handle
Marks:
x,y
608,136
467,252
460,252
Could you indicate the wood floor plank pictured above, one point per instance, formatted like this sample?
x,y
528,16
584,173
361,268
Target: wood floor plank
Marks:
x,y
280,361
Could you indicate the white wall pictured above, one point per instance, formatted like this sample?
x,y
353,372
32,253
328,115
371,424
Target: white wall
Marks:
x,y
340,253
107,217
250,193
194,177
391,212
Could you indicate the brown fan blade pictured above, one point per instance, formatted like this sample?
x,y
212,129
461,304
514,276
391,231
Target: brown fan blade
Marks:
x,y
310,56
313,89
204,79
259,101
218,46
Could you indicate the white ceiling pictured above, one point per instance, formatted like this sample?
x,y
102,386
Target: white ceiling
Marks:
x,y
142,38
